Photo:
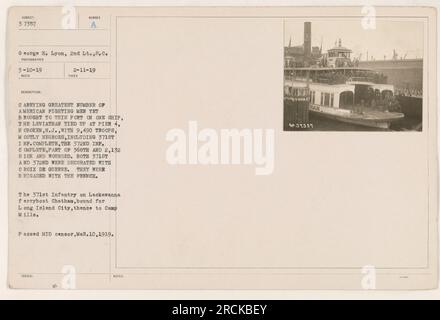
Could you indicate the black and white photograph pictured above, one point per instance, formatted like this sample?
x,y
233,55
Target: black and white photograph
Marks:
x,y
348,75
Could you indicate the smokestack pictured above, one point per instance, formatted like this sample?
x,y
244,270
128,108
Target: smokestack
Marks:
x,y
307,39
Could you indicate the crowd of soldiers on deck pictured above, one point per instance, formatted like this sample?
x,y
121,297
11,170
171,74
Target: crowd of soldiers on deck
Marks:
x,y
337,77
376,100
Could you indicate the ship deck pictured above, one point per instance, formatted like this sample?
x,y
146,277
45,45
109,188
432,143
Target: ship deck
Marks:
x,y
364,114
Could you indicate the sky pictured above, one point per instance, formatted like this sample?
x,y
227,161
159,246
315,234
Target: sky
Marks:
x,y
406,37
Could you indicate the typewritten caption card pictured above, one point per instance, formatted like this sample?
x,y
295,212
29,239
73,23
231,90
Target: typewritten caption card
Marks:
x,y
222,148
